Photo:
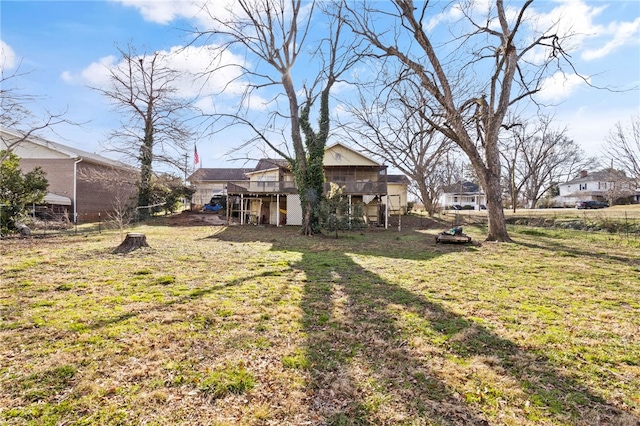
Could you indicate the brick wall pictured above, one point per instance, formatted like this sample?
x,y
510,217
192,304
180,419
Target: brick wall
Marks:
x,y
102,189
59,174
98,187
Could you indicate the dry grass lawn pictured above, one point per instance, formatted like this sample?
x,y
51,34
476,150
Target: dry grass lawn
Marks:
x,y
260,326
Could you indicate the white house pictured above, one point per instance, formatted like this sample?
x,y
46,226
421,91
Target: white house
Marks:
x,y
606,185
466,195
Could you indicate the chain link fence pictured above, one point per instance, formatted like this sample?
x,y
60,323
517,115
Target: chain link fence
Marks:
x,y
624,222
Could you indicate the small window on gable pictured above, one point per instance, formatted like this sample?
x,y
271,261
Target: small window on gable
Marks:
x,y
338,157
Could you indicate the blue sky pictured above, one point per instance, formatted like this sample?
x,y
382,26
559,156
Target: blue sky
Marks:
x,y
62,47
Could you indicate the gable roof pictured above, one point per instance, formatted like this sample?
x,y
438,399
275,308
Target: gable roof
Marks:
x,y
63,150
331,157
270,164
465,187
398,179
605,175
221,174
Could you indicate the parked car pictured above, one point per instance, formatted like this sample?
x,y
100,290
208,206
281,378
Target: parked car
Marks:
x,y
592,204
216,204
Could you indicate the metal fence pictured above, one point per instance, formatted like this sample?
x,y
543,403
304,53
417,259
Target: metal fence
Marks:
x,y
621,222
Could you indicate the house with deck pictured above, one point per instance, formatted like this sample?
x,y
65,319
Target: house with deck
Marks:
x,y
267,194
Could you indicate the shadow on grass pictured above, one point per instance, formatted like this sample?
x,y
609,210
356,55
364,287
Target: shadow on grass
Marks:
x,y
546,242
364,369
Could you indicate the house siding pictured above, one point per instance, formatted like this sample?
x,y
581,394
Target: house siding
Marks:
x,y
362,179
100,189
97,186
59,174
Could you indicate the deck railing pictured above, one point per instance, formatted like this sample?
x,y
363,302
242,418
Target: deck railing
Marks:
x,y
289,187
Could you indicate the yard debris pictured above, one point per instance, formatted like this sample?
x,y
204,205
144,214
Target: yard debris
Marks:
x,y
454,235
24,230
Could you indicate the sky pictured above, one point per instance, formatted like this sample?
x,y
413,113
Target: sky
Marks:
x,y
62,48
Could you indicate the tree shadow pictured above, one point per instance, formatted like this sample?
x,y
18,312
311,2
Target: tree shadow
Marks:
x,y
556,245
365,369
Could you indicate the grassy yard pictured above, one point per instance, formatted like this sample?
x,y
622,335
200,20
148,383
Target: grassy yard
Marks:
x,y
257,326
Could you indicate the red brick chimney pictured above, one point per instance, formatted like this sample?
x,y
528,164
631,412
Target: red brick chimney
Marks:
x,y
583,173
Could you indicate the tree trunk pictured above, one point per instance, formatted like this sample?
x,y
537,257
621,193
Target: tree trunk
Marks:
x,y
497,227
132,242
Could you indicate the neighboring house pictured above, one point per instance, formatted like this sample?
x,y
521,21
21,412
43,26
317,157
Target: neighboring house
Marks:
x,y
83,186
267,193
466,194
606,185
397,186
213,182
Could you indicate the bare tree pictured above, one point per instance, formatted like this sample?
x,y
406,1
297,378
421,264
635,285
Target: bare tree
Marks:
x,y
619,187
274,34
17,116
393,127
536,157
154,127
623,148
122,214
472,80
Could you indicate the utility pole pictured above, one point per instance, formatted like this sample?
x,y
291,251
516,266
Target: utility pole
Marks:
x,y
186,166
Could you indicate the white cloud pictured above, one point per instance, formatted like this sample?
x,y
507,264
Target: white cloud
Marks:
x,y
559,86
576,23
623,33
95,75
7,57
164,11
194,65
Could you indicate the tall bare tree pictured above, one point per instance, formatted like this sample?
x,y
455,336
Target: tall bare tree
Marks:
x,y
274,34
623,148
154,127
537,156
472,80
390,124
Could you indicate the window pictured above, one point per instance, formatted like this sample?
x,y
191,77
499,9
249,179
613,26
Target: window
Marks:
x,y
583,187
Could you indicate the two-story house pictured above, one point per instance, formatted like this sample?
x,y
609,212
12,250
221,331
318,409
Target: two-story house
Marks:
x,y
609,185
267,194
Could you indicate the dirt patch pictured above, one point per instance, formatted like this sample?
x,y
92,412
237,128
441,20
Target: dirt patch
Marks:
x,y
189,218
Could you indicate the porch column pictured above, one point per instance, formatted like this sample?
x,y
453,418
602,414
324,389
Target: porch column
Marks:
x,y
277,210
241,209
386,213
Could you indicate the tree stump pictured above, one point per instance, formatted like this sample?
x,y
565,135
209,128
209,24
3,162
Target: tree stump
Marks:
x,y
132,242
